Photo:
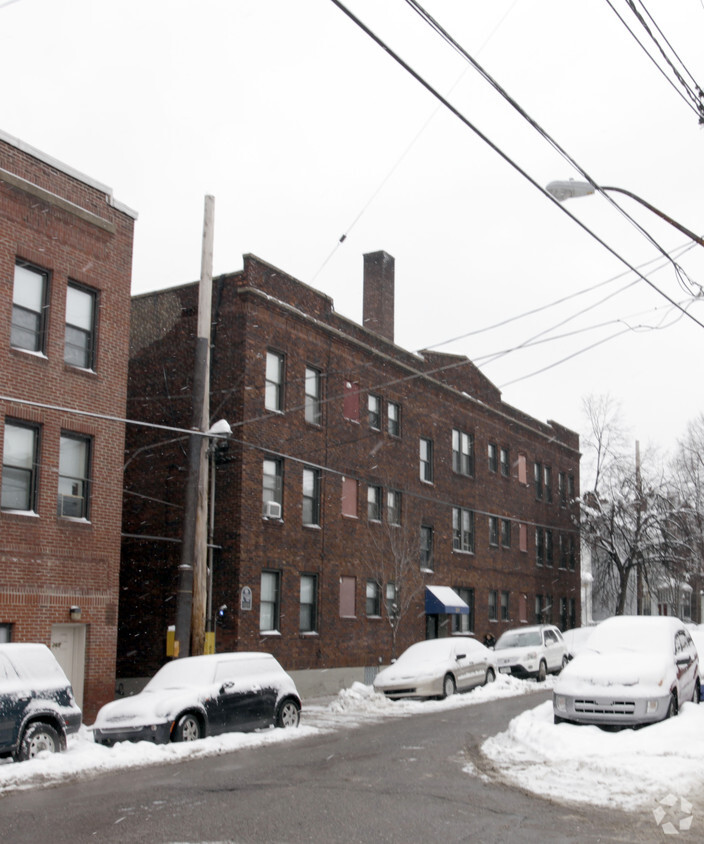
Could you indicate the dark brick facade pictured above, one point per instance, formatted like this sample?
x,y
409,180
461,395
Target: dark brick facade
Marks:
x,y
260,310
70,228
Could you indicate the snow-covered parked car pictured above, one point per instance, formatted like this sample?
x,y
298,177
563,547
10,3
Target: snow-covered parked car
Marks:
x,y
37,707
437,668
531,651
199,696
697,634
634,670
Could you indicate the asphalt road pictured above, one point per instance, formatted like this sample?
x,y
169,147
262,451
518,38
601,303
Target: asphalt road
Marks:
x,y
396,781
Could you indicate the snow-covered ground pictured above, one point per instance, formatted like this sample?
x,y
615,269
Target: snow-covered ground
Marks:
x,y
629,769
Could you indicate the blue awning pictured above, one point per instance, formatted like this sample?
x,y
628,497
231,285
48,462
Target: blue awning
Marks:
x,y
442,599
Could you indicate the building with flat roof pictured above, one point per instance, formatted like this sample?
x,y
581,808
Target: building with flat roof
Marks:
x,y
65,272
359,480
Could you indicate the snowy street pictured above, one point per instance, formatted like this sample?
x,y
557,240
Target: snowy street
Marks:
x,y
581,766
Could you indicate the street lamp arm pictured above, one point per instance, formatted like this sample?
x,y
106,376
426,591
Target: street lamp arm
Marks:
x,y
655,210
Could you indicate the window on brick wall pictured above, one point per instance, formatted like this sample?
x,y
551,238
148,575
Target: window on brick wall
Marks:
x,y
562,488
462,530
493,457
462,452
506,533
29,308
5,633
348,587
493,530
272,487
539,546
505,616
20,467
538,479
374,503
464,623
426,548
522,469
274,383
374,411
523,537
74,476
308,622
393,419
549,547
426,460
505,458
81,314
350,401
313,396
547,482
373,601
393,507
493,601
349,497
270,601
311,496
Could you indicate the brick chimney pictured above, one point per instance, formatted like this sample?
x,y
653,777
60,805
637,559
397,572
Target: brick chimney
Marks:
x,y
378,311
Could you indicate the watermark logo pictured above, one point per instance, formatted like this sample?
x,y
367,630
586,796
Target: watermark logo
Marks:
x,y
674,815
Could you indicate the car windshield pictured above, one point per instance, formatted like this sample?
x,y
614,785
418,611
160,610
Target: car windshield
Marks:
x,y
183,673
519,639
432,649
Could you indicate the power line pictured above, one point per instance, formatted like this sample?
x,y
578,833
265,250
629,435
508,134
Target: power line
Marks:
x,y
692,99
505,156
405,152
433,24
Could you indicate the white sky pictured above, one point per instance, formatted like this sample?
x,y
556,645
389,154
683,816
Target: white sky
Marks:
x,y
634,770
293,118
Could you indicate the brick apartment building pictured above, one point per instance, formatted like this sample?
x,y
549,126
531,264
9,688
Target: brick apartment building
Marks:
x,y
350,458
65,270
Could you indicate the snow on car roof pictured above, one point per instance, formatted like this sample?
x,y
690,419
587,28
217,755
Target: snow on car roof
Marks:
x,y
634,632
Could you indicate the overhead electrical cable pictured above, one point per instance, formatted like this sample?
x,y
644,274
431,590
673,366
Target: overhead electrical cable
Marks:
x,y
433,24
422,81
692,98
406,151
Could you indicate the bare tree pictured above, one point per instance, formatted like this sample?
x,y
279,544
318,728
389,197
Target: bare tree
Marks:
x,y
395,566
625,514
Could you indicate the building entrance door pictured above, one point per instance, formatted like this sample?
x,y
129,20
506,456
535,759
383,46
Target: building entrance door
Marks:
x,y
68,644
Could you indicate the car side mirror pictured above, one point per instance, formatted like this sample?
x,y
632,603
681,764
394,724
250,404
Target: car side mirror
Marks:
x,y
227,686
461,656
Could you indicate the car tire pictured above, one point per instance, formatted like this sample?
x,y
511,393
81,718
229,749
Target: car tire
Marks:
x,y
490,676
38,737
449,687
288,714
696,697
542,671
187,728
673,707
565,660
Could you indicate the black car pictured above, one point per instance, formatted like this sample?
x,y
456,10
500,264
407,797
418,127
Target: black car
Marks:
x,y
37,706
199,696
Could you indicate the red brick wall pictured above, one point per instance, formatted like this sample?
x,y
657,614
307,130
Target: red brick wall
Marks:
x,y
47,563
246,324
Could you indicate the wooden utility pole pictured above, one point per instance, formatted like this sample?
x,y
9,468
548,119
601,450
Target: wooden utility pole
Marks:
x,y
192,591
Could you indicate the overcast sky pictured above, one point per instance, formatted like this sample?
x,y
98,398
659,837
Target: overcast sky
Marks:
x,y
304,130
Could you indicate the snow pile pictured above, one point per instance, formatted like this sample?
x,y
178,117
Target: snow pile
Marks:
x,y
626,769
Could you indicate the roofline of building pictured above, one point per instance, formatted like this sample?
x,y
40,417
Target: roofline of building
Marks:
x,y
504,412
69,171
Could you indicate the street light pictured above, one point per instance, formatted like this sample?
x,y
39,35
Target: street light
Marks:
x,y
562,190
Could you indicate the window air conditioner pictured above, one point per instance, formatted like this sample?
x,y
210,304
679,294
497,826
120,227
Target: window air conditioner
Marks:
x,y
272,510
71,506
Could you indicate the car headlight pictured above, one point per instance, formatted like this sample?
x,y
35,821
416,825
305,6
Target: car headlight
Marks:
x,y
560,703
532,655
